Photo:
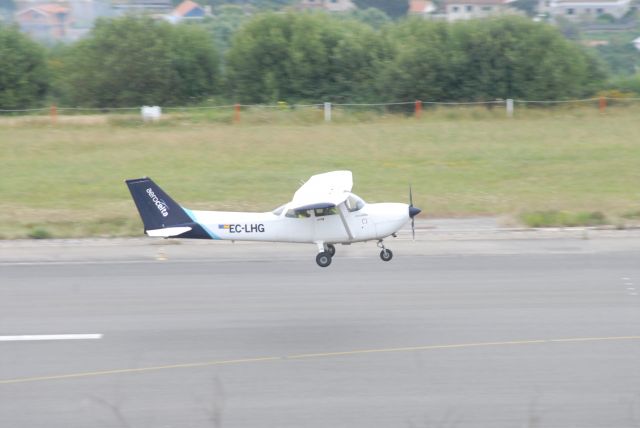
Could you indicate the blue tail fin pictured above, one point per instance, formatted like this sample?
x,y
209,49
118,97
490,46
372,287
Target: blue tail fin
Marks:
x,y
156,208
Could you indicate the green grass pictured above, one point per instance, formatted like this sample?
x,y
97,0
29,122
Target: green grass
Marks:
x,y
554,218
68,179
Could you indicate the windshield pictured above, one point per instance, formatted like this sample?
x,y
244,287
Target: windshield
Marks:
x,y
354,203
278,210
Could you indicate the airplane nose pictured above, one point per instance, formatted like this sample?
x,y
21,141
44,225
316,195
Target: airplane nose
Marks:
x,y
413,211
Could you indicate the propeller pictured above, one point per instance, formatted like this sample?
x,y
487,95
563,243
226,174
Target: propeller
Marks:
x,y
413,211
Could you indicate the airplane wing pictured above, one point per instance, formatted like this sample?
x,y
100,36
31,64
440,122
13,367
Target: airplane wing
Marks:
x,y
323,191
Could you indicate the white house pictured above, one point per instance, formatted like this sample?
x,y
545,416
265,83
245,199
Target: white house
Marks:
x,y
584,9
457,10
329,5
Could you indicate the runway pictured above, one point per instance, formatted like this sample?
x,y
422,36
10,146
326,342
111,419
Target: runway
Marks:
x,y
430,339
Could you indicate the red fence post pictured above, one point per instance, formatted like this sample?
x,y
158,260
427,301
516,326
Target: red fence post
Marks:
x,y
602,104
418,109
53,112
236,114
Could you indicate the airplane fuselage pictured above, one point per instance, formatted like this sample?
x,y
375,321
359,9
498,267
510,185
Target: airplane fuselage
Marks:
x,y
373,221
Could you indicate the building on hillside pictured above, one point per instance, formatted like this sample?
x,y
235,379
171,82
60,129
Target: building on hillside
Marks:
x,y
157,8
328,5
456,10
85,12
49,21
188,10
636,43
583,9
423,8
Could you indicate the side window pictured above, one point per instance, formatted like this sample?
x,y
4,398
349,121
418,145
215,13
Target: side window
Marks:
x,y
325,211
298,214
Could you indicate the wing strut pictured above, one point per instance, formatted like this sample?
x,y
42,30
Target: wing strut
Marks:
x,y
341,208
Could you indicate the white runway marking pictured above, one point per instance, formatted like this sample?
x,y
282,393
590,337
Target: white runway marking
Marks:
x,y
50,337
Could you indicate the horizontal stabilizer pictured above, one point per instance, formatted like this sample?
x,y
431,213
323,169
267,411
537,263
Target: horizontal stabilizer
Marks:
x,y
168,231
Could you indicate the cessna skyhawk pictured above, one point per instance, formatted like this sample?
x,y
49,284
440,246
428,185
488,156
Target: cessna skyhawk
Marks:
x,y
323,212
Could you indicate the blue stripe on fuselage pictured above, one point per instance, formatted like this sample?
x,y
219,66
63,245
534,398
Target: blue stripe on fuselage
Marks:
x,y
206,229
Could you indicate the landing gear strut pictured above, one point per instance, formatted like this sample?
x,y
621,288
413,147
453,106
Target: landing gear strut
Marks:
x,y
385,254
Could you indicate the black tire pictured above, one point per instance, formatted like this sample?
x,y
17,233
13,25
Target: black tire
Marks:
x,y
332,249
386,255
323,259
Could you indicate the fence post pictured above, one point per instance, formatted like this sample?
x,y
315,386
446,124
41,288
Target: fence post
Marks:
x,y
236,113
602,104
53,112
327,112
509,107
418,109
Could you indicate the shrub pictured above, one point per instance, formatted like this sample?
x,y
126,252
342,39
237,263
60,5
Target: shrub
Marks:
x,y
554,218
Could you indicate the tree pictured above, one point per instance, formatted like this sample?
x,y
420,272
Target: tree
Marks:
x,y
258,4
621,57
303,56
224,24
195,62
133,61
393,8
371,16
23,71
421,64
530,7
483,60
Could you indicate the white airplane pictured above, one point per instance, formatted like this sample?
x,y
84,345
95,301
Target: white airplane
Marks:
x,y
323,211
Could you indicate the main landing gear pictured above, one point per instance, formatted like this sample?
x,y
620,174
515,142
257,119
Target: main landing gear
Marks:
x,y
327,251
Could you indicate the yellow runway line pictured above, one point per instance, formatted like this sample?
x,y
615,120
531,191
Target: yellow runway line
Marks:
x,y
313,356
138,370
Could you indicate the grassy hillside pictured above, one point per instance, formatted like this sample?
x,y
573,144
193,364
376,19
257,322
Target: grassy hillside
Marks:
x,y
67,180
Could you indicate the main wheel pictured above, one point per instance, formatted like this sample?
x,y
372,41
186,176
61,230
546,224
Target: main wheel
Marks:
x,y
332,249
386,255
323,259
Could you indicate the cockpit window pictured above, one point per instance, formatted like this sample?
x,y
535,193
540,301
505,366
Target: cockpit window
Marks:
x,y
325,211
278,210
354,203
298,214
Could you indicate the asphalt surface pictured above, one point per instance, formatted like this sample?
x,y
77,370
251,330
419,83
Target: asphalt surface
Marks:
x,y
473,333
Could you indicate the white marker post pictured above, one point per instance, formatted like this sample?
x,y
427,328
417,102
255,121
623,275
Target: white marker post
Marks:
x,y
509,107
327,112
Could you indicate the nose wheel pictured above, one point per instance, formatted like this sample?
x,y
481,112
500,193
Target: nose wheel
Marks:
x,y
386,253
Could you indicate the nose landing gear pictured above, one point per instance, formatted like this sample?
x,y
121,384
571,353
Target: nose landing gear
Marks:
x,y
385,254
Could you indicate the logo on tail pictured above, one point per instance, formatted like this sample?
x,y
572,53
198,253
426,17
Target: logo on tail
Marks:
x,y
159,203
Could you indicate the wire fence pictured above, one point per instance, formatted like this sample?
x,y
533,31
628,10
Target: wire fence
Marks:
x,y
235,111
